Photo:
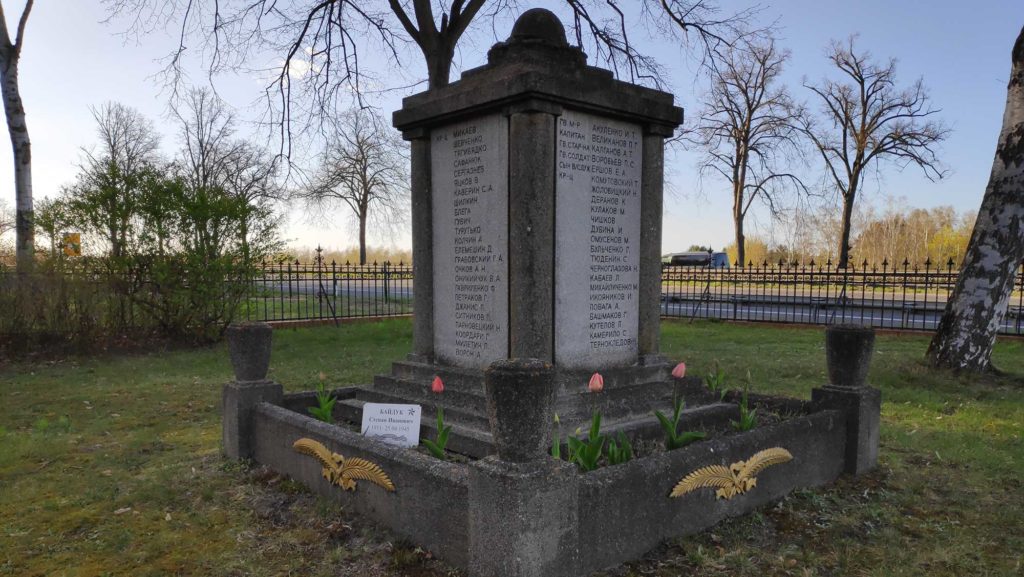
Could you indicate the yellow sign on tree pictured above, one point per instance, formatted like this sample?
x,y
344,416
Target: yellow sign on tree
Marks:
x,y
72,244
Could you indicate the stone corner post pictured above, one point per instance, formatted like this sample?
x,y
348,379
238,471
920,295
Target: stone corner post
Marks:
x,y
651,208
422,246
848,351
531,234
524,504
249,346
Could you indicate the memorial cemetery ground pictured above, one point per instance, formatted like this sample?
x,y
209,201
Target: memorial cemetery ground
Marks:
x,y
112,466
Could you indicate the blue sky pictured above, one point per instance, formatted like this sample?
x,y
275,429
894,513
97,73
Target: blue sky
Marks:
x,y
72,61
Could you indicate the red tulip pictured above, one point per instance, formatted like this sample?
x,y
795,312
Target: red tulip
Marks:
x,y
680,371
437,386
596,384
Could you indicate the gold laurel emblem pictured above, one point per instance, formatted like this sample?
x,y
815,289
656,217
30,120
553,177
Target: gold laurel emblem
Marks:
x,y
341,471
737,479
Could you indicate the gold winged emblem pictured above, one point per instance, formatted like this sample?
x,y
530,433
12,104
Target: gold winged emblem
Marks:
x,y
737,479
341,471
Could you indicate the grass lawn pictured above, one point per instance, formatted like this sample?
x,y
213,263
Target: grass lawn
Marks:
x,y
112,466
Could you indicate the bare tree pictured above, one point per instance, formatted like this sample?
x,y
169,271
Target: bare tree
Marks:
x,y
749,130
974,312
206,131
212,163
14,109
867,120
106,195
251,175
320,41
363,168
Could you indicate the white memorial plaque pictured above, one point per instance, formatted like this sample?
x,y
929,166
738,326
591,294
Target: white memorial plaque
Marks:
x,y
392,424
597,241
469,172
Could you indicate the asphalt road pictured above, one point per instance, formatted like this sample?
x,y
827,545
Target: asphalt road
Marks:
x,y
896,315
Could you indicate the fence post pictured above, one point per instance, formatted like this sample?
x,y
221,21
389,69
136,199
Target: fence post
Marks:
x,y
290,292
927,278
828,290
885,284
1020,298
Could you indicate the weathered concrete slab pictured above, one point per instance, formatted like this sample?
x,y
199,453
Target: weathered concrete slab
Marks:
x,y
633,499
469,175
428,505
597,241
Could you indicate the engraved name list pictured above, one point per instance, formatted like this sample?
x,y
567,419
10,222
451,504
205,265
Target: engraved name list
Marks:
x,y
598,166
469,173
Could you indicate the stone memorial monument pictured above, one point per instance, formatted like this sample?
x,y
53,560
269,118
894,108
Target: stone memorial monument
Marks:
x,y
537,205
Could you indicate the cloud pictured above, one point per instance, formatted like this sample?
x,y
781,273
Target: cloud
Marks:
x,y
298,67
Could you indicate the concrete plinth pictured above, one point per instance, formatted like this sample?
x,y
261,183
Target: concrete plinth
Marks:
x,y
520,402
523,519
239,400
863,409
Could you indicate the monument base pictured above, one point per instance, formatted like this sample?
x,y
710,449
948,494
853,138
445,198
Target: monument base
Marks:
x,y
630,393
863,408
637,499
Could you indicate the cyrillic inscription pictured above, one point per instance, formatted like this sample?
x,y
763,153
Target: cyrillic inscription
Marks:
x,y
469,170
597,233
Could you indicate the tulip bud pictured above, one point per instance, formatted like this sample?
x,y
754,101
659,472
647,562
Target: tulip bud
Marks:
x,y
437,387
596,384
680,371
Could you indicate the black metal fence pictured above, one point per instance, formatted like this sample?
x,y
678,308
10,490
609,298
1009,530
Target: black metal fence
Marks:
x,y
328,290
904,296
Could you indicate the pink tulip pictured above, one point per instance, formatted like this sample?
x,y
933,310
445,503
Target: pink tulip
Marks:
x,y
680,371
437,386
596,384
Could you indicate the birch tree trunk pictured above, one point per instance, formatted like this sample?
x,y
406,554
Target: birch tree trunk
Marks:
x,y
10,56
967,331
22,147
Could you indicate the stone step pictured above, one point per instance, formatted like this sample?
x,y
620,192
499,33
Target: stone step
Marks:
x,y
622,403
646,429
455,378
452,414
465,440
699,418
301,401
472,380
456,398
615,378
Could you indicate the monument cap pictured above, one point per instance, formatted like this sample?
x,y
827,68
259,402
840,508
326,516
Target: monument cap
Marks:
x,y
537,67
539,25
